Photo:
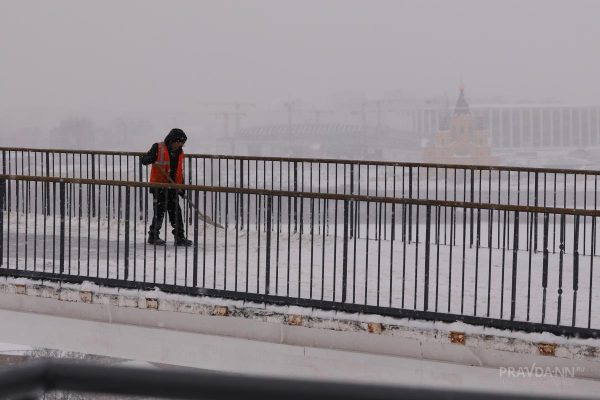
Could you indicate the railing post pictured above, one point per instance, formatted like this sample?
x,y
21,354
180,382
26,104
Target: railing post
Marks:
x,y
190,210
268,250
513,296
410,205
575,268
472,211
93,193
47,184
241,197
127,215
427,248
535,216
62,227
2,201
295,198
561,256
195,273
351,193
345,254
140,190
545,266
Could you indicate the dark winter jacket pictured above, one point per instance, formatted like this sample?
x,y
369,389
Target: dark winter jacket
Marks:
x,y
176,135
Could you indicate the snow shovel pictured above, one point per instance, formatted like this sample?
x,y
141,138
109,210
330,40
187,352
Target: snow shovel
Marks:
x,y
189,200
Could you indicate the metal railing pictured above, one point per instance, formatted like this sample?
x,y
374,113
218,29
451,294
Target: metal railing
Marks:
x,y
566,188
390,256
28,382
556,188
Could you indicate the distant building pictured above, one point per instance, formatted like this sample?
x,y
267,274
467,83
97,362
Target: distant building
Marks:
x,y
542,125
327,140
521,125
460,139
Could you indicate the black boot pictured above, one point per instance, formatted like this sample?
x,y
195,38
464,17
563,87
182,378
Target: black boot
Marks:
x,y
154,239
182,241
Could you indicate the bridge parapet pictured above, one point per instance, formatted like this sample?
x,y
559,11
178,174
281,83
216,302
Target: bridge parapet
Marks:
x,y
298,326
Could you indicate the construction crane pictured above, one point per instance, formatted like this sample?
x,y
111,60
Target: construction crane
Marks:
x,y
290,107
378,106
226,120
235,111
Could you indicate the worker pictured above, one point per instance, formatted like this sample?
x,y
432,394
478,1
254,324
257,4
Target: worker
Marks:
x,y
167,167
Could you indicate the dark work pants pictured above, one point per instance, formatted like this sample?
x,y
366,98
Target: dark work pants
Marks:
x,y
166,200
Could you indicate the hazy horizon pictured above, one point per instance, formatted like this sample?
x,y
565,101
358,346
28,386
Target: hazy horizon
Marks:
x,y
158,60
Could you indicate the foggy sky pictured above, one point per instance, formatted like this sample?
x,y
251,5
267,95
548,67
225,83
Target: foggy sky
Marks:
x,y
134,55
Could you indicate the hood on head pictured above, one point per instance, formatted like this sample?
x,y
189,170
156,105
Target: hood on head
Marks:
x,y
176,135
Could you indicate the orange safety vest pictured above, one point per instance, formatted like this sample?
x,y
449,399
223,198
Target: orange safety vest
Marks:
x,y
160,168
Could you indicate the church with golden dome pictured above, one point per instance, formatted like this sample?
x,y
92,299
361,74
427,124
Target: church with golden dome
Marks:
x,y
460,139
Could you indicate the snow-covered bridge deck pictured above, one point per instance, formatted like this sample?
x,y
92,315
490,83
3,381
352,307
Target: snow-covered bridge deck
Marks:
x,y
313,250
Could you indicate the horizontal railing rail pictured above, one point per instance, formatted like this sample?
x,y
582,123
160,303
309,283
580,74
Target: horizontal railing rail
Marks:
x,y
437,260
314,160
330,196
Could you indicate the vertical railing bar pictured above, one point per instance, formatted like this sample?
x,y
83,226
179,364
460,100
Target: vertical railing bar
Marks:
x,y
345,253
195,256
204,241
560,267
62,227
531,250
504,235
450,258
145,216
119,214
513,300
2,208
300,232
427,249
325,211
226,225
392,239
268,248
379,223
592,253
277,239
289,235
368,223
575,267
545,266
477,244
17,204
127,228
312,237
258,229
464,254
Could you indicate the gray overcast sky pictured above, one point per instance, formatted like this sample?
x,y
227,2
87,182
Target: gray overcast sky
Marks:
x,y
136,54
